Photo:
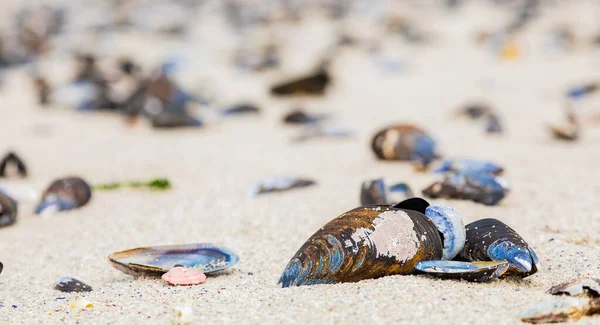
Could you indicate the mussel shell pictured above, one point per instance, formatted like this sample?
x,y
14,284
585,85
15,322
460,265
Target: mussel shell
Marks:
x,y
301,117
240,109
68,193
469,271
158,260
376,192
581,287
364,243
12,158
464,166
1,267
310,85
564,309
68,284
478,187
486,234
404,142
8,210
280,184
493,124
373,192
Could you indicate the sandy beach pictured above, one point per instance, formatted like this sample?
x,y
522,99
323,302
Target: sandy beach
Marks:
x,y
554,185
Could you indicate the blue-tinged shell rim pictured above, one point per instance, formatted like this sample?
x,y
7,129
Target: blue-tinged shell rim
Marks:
x,y
137,269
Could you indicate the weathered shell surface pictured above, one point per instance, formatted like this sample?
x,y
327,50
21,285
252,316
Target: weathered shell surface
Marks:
x,y
68,284
581,287
470,271
492,240
65,194
160,259
564,309
8,210
404,142
364,243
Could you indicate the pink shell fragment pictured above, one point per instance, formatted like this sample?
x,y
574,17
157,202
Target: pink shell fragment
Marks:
x,y
184,276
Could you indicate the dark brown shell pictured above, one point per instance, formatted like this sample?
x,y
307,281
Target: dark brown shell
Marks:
x,y
399,148
70,187
364,243
8,210
310,85
12,158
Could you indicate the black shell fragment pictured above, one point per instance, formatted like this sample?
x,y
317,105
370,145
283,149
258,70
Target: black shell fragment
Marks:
x,y
8,210
12,159
68,284
310,85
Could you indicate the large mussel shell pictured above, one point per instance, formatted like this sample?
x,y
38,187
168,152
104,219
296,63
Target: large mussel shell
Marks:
x,y
65,194
491,239
404,142
8,210
310,85
470,271
364,243
11,159
158,260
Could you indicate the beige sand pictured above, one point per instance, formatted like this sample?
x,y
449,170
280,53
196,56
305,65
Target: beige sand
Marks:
x,y
554,184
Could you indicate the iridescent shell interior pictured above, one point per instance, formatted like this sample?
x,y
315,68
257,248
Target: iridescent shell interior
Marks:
x,y
160,259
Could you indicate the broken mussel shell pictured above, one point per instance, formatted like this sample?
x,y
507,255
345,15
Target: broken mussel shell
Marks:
x,y
376,192
491,249
68,284
469,166
158,260
240,109
314,84
404,142
492,240
479,187
470,271
8,210
11,165
578,298
369,242
300,117
280,184
64,194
